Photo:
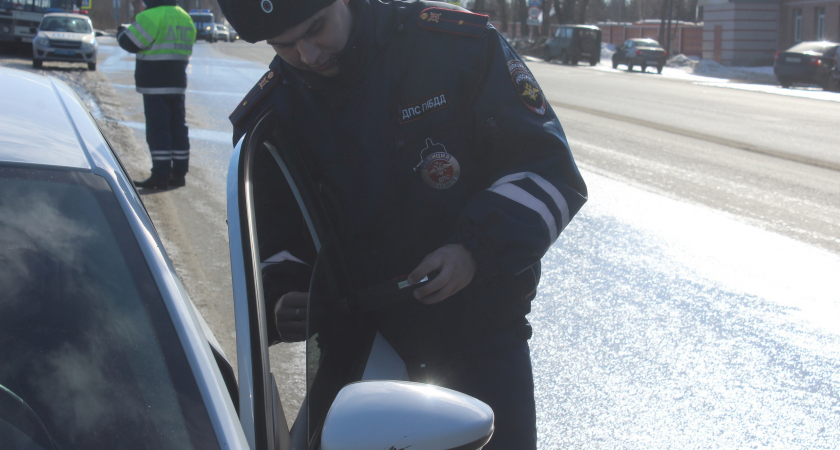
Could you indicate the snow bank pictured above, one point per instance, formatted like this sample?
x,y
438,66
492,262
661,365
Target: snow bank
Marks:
x,y
710,68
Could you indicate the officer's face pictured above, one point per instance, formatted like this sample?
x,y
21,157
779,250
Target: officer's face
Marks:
x,y
314,44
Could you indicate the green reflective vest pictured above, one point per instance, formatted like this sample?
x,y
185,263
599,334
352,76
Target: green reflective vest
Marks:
x,y
163,33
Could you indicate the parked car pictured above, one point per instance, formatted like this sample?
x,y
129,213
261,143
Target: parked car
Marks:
x,y
574,43
65,37
222,32
806,62
102,347
640,52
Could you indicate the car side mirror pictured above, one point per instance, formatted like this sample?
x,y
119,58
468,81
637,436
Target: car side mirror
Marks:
x,y
98,33
402,414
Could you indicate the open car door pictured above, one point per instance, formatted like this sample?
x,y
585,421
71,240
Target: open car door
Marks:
x,y
270,192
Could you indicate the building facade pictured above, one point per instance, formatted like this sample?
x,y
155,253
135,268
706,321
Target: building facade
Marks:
x,y
808,20
750,32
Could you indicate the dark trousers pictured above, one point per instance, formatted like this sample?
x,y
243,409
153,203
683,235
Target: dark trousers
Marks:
x,y
502,379
167,134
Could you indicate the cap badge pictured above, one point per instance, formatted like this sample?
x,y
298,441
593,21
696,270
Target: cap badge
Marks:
x,y
440,170
267,6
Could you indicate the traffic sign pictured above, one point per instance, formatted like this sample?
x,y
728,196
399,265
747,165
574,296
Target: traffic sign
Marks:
x,y
534,2
534,12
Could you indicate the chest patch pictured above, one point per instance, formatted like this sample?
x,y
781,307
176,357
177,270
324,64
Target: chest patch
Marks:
x,y
423,108
439,169
526,86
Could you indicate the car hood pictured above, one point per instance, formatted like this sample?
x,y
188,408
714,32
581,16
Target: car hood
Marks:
x,y
67,36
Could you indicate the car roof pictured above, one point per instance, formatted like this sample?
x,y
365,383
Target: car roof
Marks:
x,y
41,123
71,15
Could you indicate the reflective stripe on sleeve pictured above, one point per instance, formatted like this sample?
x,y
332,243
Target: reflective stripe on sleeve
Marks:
x,y
136,40
519,195
142,32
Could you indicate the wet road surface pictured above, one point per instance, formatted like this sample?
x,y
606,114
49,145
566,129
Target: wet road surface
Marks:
x,y
660,323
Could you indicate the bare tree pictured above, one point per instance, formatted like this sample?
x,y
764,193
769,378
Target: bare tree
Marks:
x,y
581,18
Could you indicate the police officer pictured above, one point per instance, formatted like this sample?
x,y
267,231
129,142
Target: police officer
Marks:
x,y
443,157
162,37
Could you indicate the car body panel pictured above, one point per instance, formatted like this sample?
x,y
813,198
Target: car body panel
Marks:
x,y
35,129
90,146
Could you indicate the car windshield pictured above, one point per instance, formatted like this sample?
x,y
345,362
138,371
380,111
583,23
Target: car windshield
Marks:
x,y
89,357
202,21
67,24
810,47
646,43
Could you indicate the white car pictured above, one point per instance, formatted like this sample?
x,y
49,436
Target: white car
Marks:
x,y
103,348
65,37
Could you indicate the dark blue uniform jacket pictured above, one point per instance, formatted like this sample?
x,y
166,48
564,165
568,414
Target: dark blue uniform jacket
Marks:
x,y
434,132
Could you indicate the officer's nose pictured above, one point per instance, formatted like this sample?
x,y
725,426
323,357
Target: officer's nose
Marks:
x,y
309,52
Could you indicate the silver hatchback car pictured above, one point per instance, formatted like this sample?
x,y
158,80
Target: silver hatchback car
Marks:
x,y
65,37
101,348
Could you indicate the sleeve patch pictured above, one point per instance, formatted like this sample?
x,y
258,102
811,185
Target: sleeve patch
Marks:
x,y
263,87
527,87
453,21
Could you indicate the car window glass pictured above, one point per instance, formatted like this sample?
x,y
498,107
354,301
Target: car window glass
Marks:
x,y
336,341
808,47
66,24
86,341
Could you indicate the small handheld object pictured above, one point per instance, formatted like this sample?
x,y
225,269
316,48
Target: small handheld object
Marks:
x,y
390,292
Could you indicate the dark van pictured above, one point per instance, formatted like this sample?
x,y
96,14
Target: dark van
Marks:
x,y
573,43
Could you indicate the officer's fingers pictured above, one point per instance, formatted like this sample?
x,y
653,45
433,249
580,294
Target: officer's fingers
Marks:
x,y
436,284
429,263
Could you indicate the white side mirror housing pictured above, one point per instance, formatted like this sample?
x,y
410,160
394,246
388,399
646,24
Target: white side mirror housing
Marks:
x,y
401,414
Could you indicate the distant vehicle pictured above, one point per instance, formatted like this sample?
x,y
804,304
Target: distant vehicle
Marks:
x,y
222,32
806,62
65,37
234,36
640,52
19,19
574,43
204,25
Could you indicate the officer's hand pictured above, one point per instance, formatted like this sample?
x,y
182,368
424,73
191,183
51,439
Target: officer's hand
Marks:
x,y
120,29
290,316
457,269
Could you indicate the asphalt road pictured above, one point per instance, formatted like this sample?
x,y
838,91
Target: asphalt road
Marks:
x,y
693,303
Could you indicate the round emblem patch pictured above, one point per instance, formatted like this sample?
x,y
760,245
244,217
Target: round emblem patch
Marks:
x,y
267,6
440,170
526,86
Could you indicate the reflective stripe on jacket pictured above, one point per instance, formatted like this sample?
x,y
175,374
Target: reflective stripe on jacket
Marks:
x,y
164,36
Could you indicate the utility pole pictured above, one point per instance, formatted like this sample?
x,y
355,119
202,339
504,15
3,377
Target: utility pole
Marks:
x,y
668,32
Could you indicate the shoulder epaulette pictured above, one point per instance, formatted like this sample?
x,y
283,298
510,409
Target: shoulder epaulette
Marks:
x,y
263,87
453,21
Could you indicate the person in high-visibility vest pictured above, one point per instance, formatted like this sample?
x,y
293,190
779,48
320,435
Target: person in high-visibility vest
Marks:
x,y
162,36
